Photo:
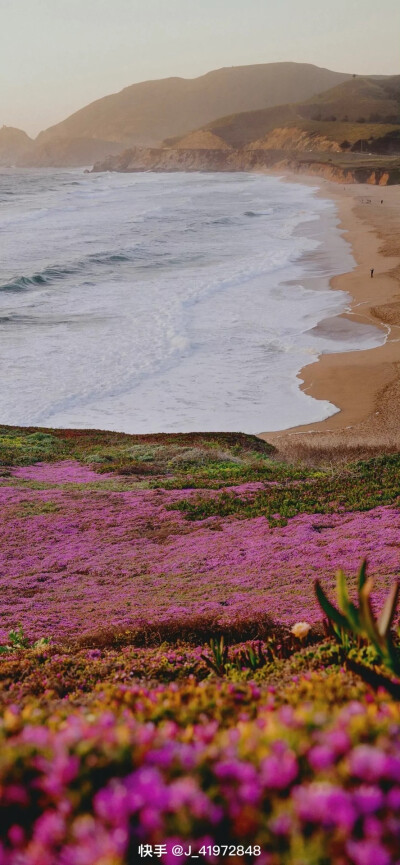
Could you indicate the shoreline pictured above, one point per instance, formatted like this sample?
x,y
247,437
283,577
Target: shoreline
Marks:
x,y
363,384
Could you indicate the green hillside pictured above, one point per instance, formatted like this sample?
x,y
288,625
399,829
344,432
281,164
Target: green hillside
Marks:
x,y
358,100
359,109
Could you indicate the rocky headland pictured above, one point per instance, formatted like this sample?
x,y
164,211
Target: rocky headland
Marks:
x,y
353,169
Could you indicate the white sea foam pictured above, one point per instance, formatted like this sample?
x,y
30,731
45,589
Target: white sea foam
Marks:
x,y
165,302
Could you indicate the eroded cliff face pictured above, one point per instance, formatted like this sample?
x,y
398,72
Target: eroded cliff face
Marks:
x,y
294,139
187,159
167,159
248,159
202,140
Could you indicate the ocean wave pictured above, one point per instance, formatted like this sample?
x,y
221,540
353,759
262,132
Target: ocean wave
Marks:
x,y
109,258
174,306
32,322
37,280
56,273
253,213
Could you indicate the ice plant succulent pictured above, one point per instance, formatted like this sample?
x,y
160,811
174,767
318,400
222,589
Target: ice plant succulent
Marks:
x,y
116,739
360,623
18,642
220,654
74,556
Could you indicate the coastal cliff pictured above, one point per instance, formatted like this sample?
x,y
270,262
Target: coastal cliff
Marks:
x,y
330,165
15,144
349,134
276,111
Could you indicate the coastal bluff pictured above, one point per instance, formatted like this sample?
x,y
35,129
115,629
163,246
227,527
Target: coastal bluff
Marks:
x,y
349,133
336,167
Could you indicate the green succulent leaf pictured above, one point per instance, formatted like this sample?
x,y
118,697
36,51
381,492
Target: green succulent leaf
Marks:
x,y
347,607
342,592
362,575
387,615
350,620
368,621
330,610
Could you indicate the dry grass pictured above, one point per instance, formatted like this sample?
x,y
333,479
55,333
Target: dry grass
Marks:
x,y
329,449
194,631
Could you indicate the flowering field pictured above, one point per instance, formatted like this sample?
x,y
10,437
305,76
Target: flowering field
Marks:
x,y
122,740
79,548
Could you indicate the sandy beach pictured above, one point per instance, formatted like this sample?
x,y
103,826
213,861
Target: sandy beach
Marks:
x,y
364,385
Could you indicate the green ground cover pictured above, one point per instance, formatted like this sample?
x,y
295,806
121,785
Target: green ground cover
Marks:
x,y
126,721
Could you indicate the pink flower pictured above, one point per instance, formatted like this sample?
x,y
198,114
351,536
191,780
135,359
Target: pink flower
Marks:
x,y
15,794
281,825
49,828
338,740
321,757
326,805
16,835
278,772
368,853
58,773
368,799
393,799
368,762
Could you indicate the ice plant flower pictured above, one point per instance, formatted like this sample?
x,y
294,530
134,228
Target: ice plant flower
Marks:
x,y
301,630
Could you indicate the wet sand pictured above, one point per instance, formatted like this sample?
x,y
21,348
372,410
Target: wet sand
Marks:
x,y
364,385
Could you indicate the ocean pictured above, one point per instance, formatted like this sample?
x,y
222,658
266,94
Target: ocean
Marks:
x,y
166,302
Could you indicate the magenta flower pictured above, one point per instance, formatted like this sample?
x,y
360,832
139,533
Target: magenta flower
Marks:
x,y
393,799
370,764
49,829
368,799
279,772
321,757
281,825
368,853
91,556
324,804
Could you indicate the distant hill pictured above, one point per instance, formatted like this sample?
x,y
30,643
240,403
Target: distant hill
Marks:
x,y
67,152
14,144
350,133
344,113
358,100
149,112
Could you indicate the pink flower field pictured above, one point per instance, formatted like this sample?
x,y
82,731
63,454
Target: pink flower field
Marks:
x,y
154,696
76,555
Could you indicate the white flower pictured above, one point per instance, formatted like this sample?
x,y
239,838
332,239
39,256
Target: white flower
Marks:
x,y
301,630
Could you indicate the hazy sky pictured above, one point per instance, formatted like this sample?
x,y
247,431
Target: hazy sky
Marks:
x,y
58,55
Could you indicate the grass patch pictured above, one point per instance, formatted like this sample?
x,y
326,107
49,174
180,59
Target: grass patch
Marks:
x,y
366,485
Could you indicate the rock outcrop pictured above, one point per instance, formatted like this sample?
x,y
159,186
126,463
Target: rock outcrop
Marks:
x,y
179,159
14,145
294,139
203,139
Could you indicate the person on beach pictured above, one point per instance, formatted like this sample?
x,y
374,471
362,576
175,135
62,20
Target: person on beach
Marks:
x,y
372,272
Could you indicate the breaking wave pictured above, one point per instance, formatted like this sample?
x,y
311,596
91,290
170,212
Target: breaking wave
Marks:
x,y
168,302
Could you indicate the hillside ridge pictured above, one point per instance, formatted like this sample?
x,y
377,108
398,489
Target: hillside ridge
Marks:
x,y
350,133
